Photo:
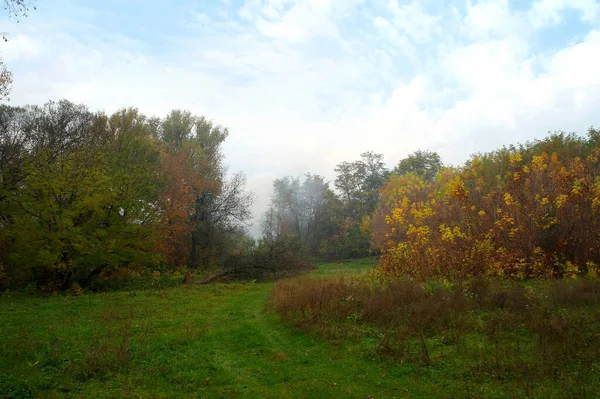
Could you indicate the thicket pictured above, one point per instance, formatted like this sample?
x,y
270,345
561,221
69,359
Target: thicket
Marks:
x,y
531,210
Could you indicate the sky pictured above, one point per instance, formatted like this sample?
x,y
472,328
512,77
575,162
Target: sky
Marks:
x,y
305,84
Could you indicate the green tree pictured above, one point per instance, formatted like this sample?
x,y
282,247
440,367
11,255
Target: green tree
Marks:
x,y
426,164
86,196
359,182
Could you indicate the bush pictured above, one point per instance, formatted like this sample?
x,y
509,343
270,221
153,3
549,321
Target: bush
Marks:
x,y
531,211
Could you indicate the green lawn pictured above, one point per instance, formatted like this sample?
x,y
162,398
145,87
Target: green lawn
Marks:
x,y
214,341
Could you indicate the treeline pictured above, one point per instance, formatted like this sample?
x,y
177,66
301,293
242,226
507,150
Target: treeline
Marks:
x,y
85,195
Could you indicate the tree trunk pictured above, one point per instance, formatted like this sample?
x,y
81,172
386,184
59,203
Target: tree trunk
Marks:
x,y
194,250
214,277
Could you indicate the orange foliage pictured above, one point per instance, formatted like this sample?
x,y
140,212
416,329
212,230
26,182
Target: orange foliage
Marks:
x,y
184,180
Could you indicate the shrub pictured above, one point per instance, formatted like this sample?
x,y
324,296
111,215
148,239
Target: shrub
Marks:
x,y
517,213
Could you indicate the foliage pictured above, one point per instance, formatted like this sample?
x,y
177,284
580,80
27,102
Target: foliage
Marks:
x,y
531,211
348,242
84,195
359,182
17,9
299,210
75,213
6,79
327,224
426,164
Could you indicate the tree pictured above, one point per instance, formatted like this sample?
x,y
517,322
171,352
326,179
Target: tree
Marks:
x,y
426,164
529,210
297,209
220,219
6,79
359,183
84,200
18,8
84,195
203,211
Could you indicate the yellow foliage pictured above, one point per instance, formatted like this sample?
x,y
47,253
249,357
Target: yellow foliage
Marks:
x,y
577,186
561,200
456,188
592,270
450,234
398,215
532,219
571,270
515,158
538,162
419,234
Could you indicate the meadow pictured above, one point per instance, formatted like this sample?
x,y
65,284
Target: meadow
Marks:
x,y
244,340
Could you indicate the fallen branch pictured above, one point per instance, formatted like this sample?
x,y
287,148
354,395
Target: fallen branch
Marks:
x,y
214,277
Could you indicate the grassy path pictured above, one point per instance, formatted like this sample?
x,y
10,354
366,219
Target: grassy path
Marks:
x,y
218,341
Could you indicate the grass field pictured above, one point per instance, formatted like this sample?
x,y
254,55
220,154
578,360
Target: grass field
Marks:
x,y
214,341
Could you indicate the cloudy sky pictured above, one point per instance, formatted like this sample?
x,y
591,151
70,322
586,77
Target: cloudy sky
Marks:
x,y
305,84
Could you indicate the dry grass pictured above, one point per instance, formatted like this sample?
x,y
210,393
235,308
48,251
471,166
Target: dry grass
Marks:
x,y
487,330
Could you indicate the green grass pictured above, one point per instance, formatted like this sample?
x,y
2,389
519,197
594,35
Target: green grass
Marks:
x,y
213,341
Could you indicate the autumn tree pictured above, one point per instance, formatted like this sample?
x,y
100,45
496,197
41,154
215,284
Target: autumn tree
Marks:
x,y
204,210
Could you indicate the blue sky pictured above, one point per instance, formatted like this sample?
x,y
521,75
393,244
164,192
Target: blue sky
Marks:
x,y
305,84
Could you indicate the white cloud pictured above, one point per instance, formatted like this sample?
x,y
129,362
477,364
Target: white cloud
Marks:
x,y
21,48
291,21
413,20
493,17
547,12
